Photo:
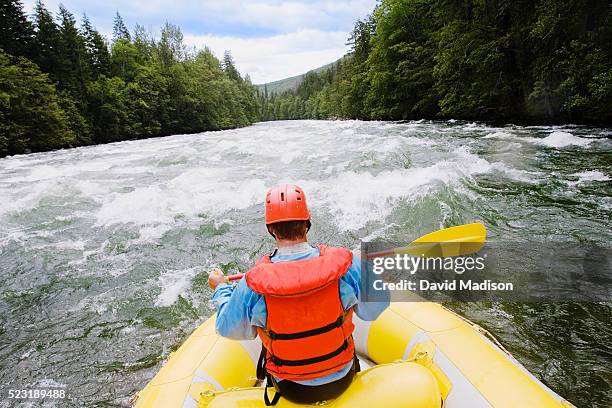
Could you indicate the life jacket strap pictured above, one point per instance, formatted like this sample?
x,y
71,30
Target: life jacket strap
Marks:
x,y
277,395
262,374
261,364
307,333
313,360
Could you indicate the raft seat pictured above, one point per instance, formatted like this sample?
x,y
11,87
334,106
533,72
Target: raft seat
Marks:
x,y
401,384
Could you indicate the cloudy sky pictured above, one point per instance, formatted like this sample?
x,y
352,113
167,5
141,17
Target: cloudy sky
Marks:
x,y
269,39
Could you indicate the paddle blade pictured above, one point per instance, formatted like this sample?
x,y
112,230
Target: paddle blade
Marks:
x,y
454,241
475,232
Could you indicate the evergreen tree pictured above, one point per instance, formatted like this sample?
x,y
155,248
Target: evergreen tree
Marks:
x,y
47,41
88,95
541,60
229,67
76,119
146,99
120,31
96,49
74,65
109,114
30,115
359,39
144,44
16,32
170,48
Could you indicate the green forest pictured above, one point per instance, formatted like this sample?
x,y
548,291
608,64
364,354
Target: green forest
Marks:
x,y
538,61
542,61
63,85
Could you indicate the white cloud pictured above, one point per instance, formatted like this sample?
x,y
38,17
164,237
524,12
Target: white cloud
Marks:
x,y
311,33
277,57
278,15
295,15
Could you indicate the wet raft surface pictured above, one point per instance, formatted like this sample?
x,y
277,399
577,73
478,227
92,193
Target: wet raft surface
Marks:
x,y
103,250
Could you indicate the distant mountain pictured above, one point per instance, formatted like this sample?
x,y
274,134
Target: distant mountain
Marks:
x,y
291,83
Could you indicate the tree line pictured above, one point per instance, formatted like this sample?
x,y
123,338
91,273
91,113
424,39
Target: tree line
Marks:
x,y
63,84
522,60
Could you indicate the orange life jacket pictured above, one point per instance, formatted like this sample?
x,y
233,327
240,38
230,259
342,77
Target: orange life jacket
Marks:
x,y
308,334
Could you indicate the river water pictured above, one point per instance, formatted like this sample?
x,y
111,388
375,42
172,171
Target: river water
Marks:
x,y
104,249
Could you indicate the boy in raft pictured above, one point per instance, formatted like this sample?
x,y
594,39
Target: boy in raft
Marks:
x,y
300,301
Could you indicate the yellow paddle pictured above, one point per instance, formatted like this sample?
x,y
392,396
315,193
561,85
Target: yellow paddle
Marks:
x,y
454,241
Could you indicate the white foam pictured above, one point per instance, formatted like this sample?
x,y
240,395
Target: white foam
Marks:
x,y
418,141
591,175
91,189
47,383
27,354
128,330
379,233
467,163
563,139
214,192
28,191
12,235
386,145
69,245
193,192
219,223
93,166
85,255
131,170
41,172
51,172
515,174
498,135
174,284
19,199
145,205
152,233
288,157
355,198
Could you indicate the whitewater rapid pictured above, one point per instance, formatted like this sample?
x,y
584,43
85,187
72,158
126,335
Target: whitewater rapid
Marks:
x,y
104,249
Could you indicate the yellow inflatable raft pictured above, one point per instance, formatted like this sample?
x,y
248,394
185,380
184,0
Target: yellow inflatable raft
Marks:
x,y
417,354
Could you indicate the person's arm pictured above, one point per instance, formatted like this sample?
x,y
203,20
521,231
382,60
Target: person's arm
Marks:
x,y
234,310
351,293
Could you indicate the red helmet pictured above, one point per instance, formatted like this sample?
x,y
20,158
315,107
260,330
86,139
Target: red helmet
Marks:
x,y
286,202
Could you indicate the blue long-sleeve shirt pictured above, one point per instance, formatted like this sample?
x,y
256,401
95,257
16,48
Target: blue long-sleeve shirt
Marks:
x,y
240,310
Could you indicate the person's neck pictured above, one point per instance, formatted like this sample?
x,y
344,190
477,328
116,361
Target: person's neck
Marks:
x,y
283,243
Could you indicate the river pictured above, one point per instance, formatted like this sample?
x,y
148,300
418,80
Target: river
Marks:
x,y
104,249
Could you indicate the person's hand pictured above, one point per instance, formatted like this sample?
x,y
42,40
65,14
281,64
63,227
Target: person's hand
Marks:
x,y
215,277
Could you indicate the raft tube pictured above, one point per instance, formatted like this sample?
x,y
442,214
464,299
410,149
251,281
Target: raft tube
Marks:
x,y
417,354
